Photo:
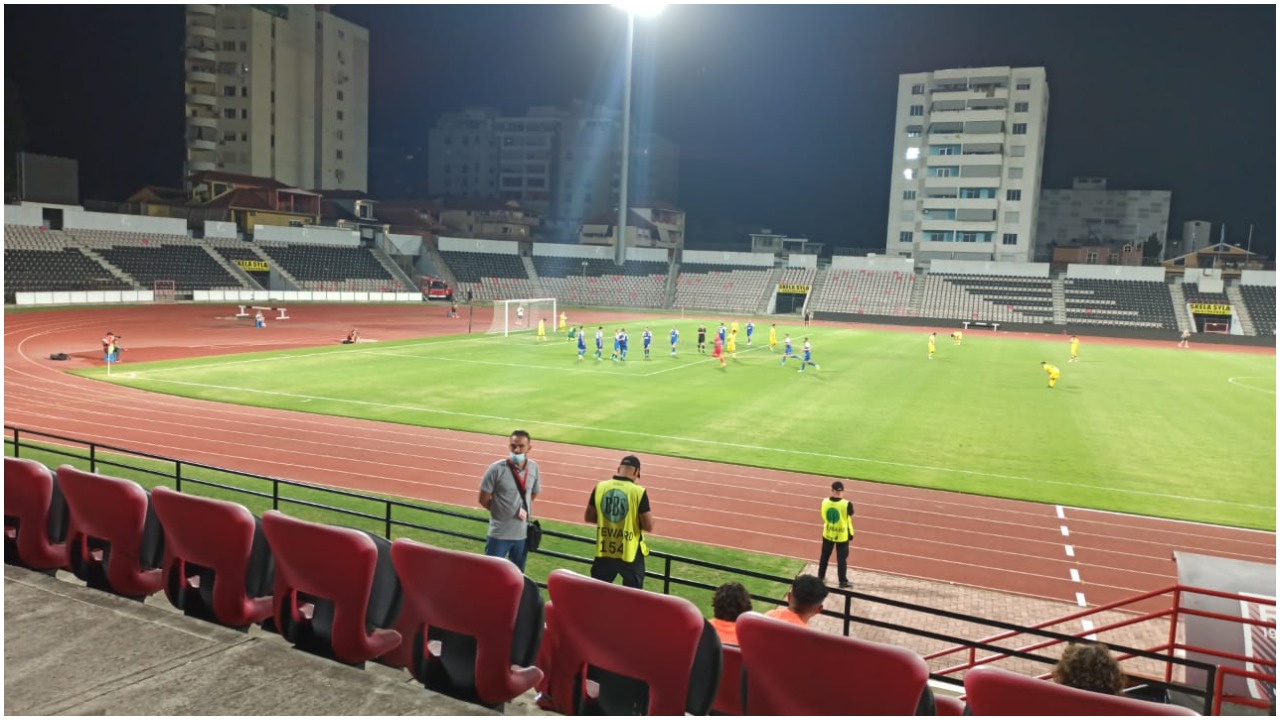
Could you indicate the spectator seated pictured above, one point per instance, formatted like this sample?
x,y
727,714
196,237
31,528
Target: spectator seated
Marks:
x,y
1127,303
336,592
1260,300
474,623
114,540
649,654
35,517
217,565
793,670
992,691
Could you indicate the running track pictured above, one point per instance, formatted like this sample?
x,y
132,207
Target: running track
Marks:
x,y
1064,554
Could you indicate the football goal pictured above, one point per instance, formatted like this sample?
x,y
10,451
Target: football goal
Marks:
x,y
523,314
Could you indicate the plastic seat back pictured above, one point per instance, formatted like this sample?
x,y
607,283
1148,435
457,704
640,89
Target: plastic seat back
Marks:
x,y
114,541
473,605
217,564
729,696
35,516
332,570
643,637
793,670
993,691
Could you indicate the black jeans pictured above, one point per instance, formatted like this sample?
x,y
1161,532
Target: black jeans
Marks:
x,y
842,560
632,573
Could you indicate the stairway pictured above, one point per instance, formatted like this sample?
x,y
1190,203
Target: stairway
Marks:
x,y
394,270
1059,302
124,276
246,280
819,282
763,307
277,271
669,290
916,301
1180,312
1241,310
437,261
532,272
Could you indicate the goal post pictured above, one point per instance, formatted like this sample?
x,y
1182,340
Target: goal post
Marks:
x,y
522,315
164,291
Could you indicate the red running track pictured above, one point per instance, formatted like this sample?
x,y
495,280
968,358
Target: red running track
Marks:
x,y
1063,554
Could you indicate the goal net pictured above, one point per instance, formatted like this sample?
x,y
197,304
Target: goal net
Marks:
x,y
165,291
522,315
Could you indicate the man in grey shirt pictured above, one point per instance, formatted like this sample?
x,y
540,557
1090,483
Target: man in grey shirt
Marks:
x,y
500,493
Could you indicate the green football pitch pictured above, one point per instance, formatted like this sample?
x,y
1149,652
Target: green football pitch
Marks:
x,y
1146,430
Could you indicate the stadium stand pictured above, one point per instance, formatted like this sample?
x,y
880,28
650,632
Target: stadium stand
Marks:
x,y
728,288
1119,303
232,250
114,538
1261,302
992,691
987,298
798,276
601,282
147,258
870,292
35,516
1193,295
38,260
327,267
491,276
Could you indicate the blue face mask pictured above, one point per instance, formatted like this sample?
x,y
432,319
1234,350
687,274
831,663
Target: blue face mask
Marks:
x,y
517,458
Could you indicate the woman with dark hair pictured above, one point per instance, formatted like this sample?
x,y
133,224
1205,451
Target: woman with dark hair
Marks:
x,y
1089,667
730,601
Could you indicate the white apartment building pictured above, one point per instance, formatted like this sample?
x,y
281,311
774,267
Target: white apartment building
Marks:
x,y
1089,212
277,91
967,154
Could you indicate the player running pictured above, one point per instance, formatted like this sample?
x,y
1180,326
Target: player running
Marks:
x,y
1075,349
1053,371
773,336
702,338
582,343
675,340
807,358
717,351
647,337
750,328
731,345
600,344
787,351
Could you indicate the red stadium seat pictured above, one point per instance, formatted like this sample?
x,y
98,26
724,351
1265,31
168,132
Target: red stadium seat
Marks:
x,y
729,696
217,564
35,516
332,593
992,691
792,670
948,705
648,654
114,539
485,614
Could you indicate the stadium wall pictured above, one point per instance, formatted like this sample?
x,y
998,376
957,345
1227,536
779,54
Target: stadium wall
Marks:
x,y
1258,277
1115,272
219,229
405,244
25,214
881,264
745,259
299,296
475,245
978,267
307,236
586,252
84,297
648,254
75,217
802,261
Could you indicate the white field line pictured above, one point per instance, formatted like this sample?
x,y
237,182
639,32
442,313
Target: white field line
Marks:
x,y
1233,380
700,441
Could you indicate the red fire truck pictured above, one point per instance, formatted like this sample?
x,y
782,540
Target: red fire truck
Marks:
x,y
436,289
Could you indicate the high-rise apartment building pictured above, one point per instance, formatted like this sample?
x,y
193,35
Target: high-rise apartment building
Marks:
x,y
1089,212
277,91
967,153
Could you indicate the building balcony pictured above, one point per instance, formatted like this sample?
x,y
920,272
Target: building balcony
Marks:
x,y
196,166
960,204
951,116
196,51
202,100
958,225
203,77
970,94
201,144
197,121
200,31
208,10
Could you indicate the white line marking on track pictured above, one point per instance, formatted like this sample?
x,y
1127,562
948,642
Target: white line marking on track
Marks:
x,y
1075,575
1061,516
1088,626
1080,600
1065,531
1071,552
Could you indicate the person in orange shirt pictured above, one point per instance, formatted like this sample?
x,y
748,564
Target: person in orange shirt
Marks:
x,y
804,600
730,601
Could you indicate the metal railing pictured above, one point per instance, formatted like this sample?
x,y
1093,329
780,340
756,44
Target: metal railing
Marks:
x,y
98,455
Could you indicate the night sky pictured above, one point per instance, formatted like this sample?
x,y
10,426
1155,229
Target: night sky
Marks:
x,y
784,115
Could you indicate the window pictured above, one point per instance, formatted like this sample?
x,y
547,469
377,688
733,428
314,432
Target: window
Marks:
x,y
1013,195
1017,150
906,236
944,171
244,137
1011,238
917,110
244,46
914,131
913,153
1019,128
244,113
1023,84
917,89
273,141
973,237
939,214
939,236
244,91
229,113
339,94
908,174
1015,173
228,45
342,59
342,35
339,154
228,91
273,96
978,193
909,195
944,149
340,174
229,136
1021,107
226,68
339,135
340,115
1013,217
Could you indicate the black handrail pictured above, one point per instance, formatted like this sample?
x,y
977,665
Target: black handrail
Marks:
x,y
667,576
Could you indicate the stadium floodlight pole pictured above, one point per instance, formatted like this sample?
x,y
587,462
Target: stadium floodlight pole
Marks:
x,y
643,9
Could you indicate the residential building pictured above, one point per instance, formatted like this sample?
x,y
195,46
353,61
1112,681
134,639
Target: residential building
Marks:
x,y
490,219
1090,214
649,224
1097,253
277,91
249,201
767,241
967,154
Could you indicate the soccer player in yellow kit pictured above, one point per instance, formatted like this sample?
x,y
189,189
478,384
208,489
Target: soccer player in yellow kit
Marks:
x,y
932,344
773,336
957,337
731,343
563,320
1075,349
1053,371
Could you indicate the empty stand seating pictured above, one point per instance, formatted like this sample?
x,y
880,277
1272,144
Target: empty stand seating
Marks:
x,y
39,260
233,250
114,540
725,288
870,292
600,282
992,691
792,670
335,590
988,298
147,258
729,696
491,276
1193,295
948,705
473,622
329,267
217,565
648,654
1124,303
35,516
1260,300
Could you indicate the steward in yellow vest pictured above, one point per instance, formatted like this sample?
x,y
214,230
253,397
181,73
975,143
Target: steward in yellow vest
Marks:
x,y
837,530
619,508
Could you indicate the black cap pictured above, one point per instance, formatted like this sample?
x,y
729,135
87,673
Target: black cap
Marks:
x,y
631,461
837,485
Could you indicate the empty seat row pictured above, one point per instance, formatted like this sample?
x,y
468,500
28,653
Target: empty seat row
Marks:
x,y
561,267
325,263
1260,300
646,291
189,266
735,290
472,267
871,292
1121,303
